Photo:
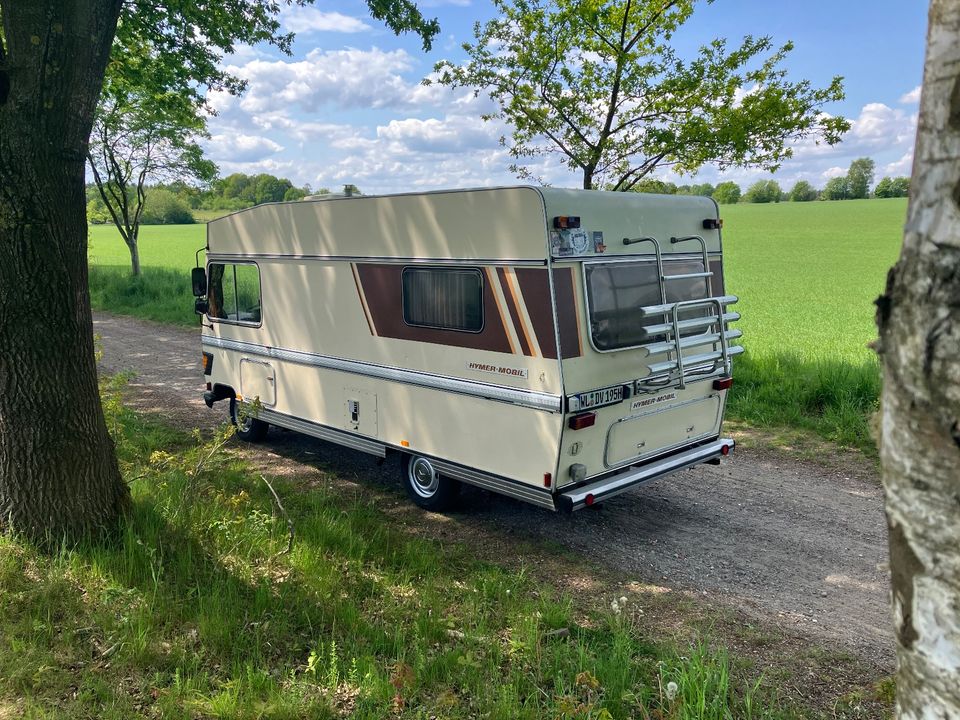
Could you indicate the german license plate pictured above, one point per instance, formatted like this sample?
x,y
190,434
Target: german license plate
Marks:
x,y
598,398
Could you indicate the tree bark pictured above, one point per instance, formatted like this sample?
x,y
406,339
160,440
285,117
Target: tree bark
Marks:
x,y
919,322
134,247
58,471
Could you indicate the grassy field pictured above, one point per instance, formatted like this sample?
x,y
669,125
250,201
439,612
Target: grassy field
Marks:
x,y
199,608
806,273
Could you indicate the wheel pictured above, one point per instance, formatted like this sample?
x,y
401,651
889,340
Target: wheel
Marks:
x,y
427,487
249,428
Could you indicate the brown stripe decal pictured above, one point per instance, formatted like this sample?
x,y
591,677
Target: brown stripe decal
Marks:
x,y
536,296
363,300
716,282
494,286
535,289
510,297
567,317
382,286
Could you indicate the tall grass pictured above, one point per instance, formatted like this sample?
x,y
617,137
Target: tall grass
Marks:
x,y
159,294
195,609
832,397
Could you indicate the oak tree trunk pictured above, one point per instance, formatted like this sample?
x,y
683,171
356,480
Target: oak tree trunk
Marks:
x,y
919,322
58,471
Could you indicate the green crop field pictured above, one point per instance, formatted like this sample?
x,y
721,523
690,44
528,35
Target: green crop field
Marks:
x,y
806,275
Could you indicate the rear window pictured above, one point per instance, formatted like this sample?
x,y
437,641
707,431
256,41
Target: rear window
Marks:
x,y
233,292
616,291
443,298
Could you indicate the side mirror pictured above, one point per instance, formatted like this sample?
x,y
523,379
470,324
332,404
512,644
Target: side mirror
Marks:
x,y
198,277
201,306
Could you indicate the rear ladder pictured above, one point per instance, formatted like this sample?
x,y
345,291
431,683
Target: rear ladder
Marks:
x,y
679,368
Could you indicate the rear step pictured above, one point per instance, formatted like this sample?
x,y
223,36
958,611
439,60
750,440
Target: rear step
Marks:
x,y
632,477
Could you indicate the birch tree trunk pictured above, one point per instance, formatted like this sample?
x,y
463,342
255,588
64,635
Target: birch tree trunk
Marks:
x,y
58,471
919,323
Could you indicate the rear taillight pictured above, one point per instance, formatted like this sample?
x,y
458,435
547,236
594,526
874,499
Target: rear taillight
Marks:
x,y
723,383
584,420
588,500
725,449
547,479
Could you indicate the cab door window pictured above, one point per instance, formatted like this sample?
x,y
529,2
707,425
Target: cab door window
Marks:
x,y
234,293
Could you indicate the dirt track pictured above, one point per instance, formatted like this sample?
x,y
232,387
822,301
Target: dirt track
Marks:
x,y
797,543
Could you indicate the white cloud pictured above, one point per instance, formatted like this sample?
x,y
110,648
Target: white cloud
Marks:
x,y
833,172
880,126
912,97
309,19
451,135
238,147
903,166
349,78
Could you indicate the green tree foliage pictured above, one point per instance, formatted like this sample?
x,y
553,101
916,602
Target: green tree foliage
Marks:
x,y
703,189
803,192
599,84
837,188
165,207
727,193
238,191
763,191
143,133
652,185
892,187
860,178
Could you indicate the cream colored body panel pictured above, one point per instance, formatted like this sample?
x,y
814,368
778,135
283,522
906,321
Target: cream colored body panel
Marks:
x,y
503,223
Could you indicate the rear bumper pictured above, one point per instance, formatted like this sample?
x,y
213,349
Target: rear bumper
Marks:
x,y
631,477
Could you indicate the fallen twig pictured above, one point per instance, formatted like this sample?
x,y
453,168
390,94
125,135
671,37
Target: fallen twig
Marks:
x,y
285,515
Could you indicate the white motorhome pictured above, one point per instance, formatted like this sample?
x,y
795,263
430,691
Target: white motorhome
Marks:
x,y
556,346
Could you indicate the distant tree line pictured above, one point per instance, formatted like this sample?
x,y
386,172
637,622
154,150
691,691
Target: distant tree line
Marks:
x,y
854,185
176,203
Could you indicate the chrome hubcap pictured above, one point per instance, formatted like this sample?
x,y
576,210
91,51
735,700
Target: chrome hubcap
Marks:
x,y
423,477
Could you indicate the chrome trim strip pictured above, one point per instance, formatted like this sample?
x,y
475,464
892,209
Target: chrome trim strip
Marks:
x,y
213,256
500,393
633,477
357,442
512,488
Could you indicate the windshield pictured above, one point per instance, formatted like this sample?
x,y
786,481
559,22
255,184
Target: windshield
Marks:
x,y
616,291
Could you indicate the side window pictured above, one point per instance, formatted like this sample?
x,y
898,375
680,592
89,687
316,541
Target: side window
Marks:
x,y
233,292
443,298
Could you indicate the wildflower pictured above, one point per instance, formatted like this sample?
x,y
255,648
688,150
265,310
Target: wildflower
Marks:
x,y
672,688
615,606
623,600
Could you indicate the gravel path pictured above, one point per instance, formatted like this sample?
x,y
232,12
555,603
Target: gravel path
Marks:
x,y
793,542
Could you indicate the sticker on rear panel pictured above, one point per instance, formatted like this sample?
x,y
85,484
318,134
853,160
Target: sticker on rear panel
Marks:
x,y
640,403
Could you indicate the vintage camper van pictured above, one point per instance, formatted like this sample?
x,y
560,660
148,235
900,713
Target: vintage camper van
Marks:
x,y
556,346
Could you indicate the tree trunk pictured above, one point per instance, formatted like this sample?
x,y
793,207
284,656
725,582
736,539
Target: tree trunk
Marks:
x,y
134,246
919,322
58,471
588,178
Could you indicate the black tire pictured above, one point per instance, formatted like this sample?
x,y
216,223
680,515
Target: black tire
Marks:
x,y
427,487
249,429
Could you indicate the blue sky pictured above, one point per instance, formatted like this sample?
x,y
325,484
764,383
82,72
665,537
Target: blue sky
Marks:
x,y
348,106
